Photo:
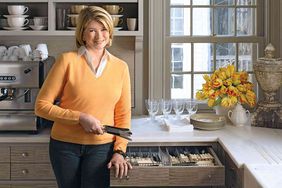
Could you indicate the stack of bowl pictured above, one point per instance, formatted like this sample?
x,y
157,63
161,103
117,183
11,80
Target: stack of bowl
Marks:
x,y
16,19
75,10
114,11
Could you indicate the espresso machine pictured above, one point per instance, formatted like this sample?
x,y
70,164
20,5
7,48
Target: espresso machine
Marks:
x,y
20,82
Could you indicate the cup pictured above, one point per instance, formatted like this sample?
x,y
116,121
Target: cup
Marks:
x,y
26,48
39,21
36,55
113,9
5,58
19,52
131,24
73,19
60,18
3,50
117,20
11,49
75,9
17,21
43,48
13,58
27,58
17,9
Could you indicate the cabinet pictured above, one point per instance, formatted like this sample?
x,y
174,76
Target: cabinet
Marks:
x,y
27,165
47,8
233,174
127,45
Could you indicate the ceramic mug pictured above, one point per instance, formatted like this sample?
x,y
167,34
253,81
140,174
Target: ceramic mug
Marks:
x,y
113,9
131,24
117,21
17,9
17,21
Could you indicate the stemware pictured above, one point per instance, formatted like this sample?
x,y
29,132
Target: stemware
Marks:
x,y
166,107
152,107
191,106
178,107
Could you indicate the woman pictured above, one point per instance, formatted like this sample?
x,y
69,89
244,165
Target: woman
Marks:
x,y
93,88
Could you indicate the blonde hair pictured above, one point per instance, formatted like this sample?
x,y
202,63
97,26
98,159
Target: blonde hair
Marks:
x,y
89,14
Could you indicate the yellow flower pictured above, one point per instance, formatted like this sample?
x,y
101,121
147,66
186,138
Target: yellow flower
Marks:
x,y
211,102
206,77
241,88
217,83
227,82
226,87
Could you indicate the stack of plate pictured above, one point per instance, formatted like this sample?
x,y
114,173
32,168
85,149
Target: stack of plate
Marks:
x,y
208,121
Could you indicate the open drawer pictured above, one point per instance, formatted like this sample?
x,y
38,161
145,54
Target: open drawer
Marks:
x,y
172,166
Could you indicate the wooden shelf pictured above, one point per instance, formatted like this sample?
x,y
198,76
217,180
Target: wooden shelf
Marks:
x,y
60,33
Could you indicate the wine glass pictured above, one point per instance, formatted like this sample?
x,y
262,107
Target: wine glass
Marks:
x,y
178,107
191,106
152,107
166,107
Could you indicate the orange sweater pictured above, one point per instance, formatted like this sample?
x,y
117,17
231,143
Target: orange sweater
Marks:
x,y
107,98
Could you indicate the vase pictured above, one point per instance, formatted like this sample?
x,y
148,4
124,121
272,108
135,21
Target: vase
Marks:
x,y
220,110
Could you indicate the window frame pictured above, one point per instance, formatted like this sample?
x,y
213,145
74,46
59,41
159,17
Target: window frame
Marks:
x,y
168,40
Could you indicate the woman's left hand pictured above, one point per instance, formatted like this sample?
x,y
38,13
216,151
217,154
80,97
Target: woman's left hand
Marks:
x,y
120,164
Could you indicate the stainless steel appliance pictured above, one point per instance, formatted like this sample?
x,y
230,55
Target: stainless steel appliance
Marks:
x,y
20,82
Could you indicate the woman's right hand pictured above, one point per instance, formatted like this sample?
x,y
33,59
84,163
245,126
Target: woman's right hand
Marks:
x,y
90,124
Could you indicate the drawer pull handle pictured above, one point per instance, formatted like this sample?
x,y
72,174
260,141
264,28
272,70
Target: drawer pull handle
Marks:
x,y
24,154
25,171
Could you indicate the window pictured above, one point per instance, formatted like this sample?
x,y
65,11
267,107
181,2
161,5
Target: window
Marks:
x,y
203,35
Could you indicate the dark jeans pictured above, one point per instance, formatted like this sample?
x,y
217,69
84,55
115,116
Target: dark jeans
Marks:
x,y
80,166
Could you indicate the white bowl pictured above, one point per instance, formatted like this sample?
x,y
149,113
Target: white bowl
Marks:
x,y
37,27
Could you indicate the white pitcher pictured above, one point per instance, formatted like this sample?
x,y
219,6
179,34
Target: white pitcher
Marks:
x,y
239,116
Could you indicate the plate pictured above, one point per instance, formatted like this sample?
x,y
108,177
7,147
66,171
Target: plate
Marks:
x,y
116,15
13,16
37,27
71,28
72,15
208,121
117,28
15,28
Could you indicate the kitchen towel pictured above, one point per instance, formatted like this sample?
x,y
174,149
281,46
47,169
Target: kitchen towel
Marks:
x,y
172,125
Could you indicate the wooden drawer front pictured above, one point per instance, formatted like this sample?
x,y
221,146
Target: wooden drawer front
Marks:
x,y
49,185
143,176
5,186
4,171
196,176
4,154
32,172
34,154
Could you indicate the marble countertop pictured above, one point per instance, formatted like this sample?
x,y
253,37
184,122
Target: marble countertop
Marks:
x,y
258,149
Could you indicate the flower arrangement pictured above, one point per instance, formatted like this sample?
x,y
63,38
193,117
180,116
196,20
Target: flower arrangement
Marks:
x,y
226,87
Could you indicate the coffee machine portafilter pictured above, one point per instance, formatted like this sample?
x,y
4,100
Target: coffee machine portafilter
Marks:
x,y
20,82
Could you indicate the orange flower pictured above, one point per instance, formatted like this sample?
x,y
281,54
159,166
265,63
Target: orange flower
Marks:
x,y
217,83
226,87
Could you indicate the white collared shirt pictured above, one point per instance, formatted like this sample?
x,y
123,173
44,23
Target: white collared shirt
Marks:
x,y
89,58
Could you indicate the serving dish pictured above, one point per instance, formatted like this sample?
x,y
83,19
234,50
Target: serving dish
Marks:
x,y
208,121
